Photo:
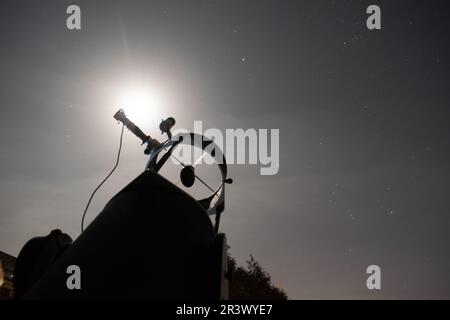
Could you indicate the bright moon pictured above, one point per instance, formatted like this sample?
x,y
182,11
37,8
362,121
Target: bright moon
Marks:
x,y
140,103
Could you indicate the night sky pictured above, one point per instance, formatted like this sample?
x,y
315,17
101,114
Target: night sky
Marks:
x,y
363,118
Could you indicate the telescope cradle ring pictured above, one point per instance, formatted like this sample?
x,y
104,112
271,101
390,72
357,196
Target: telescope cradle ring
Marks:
x,y
207,146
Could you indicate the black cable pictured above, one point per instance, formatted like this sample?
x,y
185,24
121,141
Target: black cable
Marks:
x,y
104,180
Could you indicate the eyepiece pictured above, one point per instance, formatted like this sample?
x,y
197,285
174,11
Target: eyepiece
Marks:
x,y
120,115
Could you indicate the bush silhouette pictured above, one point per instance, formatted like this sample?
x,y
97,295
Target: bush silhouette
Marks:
x,y
252,282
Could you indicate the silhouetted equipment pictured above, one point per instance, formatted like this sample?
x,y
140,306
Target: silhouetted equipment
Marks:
x,y
166,125
187,176
120,116
151,241
154,148
36,257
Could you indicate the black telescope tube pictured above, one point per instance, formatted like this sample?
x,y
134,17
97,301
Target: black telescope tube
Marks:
x,y
120,116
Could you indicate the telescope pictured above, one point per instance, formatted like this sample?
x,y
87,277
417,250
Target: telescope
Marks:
x,y
152,240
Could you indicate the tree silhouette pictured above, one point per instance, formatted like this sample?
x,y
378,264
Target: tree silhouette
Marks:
x,y
252,282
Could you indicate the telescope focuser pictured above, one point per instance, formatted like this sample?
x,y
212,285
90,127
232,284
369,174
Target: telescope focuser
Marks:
x,y
151,143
